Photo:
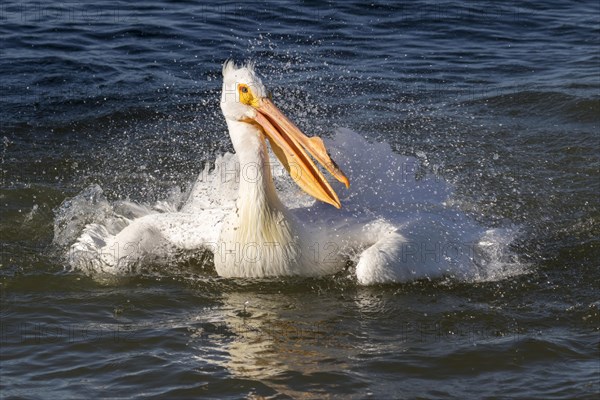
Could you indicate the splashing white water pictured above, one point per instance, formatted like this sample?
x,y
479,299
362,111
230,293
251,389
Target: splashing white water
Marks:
x,y
390,194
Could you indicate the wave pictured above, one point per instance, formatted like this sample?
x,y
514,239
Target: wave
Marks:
x,y
554,105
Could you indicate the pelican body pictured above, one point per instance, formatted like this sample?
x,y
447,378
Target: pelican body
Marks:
x,y
253,234
261,238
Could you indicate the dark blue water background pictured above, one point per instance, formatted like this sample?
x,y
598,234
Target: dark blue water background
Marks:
x,y
502,99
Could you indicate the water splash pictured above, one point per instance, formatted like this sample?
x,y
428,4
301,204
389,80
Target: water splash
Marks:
x,y
388,190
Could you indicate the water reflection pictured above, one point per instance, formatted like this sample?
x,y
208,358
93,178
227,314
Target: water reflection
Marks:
x,y
266,336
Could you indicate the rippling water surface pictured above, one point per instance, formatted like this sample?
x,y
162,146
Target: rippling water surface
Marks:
x,y
501,100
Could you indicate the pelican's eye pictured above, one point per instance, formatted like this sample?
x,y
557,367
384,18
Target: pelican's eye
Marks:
x,y
246,95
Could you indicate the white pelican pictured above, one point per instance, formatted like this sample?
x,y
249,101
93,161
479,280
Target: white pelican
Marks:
x,y
253,234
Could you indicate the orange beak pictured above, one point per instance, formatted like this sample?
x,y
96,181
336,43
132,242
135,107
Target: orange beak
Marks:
x,y
292,148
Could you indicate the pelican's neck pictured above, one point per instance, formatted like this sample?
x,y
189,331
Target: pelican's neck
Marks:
x,y
256,191
261,238
258,238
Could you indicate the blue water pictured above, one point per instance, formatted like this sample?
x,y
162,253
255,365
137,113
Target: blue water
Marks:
x,y
502,100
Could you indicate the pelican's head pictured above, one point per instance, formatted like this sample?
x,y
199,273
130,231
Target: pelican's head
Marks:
x,y
242,89
244,99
